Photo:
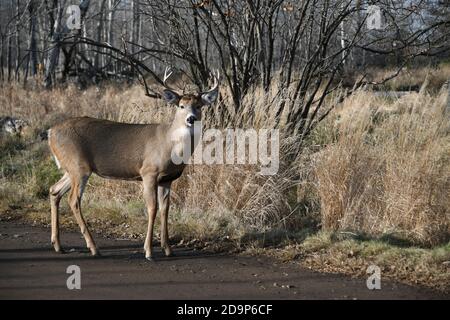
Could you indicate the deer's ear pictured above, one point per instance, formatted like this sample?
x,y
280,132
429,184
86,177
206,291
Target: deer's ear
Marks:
x,y
210,96
171,96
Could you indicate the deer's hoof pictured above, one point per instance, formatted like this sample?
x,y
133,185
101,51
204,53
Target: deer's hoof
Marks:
x,y
60,250
57,247
168,252
96,253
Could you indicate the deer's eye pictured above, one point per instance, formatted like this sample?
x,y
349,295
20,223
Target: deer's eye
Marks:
x,y
181,106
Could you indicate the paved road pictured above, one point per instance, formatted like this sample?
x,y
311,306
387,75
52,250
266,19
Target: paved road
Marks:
x,y
29,269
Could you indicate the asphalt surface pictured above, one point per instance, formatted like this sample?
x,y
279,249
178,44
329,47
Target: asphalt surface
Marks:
x,y
29,269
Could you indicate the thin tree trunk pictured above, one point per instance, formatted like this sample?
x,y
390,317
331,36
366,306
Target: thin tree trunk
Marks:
x,y
2,41
17,33
135,29
53,55
33,43
344,51
110,31
2,49
111,9
99,36
9,48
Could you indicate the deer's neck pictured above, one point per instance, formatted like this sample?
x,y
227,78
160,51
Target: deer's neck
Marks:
x,y
183,140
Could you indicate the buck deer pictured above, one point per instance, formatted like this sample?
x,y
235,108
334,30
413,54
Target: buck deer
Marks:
x,y
82,146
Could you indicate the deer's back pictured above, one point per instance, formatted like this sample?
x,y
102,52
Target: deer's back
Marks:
x,y
110,149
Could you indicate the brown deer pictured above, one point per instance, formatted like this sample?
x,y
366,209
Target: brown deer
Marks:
x,y
113,150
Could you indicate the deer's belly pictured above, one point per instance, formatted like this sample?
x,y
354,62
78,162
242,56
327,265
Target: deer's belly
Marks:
x,y
120,177
117,165
117,172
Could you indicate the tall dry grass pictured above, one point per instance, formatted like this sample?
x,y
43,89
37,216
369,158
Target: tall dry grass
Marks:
x,y
388,170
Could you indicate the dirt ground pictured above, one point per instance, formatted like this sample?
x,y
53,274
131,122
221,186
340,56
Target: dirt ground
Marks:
x,y
29,269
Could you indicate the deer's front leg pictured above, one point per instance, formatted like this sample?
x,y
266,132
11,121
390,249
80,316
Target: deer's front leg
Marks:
x,y
163,203
150,197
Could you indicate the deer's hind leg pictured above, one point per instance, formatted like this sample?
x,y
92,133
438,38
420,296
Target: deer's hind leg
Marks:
x,y
77,188
57,191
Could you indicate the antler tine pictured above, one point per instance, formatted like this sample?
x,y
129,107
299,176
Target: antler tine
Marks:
x,y
216,81
167,73
216,78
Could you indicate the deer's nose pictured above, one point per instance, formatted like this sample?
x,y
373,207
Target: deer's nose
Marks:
x,y
191,119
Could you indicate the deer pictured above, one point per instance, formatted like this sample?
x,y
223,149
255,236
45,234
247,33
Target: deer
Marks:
x,y
141,152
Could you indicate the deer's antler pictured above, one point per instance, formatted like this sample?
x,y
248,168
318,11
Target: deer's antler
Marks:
x,y
216,82
167,74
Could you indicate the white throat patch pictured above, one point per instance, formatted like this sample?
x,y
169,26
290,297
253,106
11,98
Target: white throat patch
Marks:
x,y
182,138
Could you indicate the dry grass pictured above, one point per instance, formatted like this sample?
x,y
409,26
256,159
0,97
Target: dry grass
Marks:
x,y
415,78
388,172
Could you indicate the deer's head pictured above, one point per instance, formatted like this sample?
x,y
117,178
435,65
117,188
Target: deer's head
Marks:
x,y
189,105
